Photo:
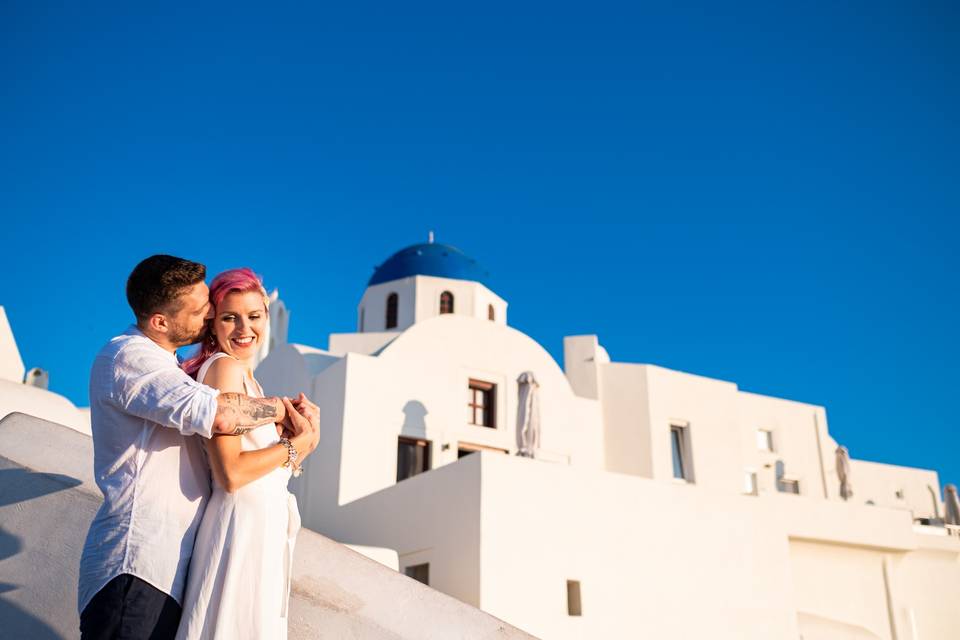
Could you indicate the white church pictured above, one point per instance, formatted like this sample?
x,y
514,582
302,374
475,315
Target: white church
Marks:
x,y
600,499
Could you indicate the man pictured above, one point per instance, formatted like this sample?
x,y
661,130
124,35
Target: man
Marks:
x,y
145,414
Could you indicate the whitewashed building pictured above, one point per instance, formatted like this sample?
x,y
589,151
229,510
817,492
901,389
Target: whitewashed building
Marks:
x,y
658,504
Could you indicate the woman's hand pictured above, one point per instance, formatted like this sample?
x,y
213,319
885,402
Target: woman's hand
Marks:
x,y
303,422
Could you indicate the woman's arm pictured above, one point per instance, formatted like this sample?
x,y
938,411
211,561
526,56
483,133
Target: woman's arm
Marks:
x,y
232,467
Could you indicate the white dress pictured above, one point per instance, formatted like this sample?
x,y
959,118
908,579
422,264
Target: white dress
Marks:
x,y
239,580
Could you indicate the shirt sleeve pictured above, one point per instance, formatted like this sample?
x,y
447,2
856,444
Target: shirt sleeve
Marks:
x,y
151,386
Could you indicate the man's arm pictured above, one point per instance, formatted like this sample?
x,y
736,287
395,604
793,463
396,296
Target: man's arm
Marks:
x,y
238,413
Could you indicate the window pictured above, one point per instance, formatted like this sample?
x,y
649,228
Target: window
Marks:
x,y
419,572
573,598
491,314
413,457
446,302
764,440
481,399
391,311
750,482
680,445
466,448
787,485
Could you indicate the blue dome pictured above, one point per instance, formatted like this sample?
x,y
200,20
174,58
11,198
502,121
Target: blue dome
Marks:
x,y
440,260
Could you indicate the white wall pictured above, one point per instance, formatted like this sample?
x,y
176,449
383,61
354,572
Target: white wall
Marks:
x,y
430,518
654,560
879,483
418,298
47,499
417,386
11,365
665,560
22,398
374,305
799,441
842,584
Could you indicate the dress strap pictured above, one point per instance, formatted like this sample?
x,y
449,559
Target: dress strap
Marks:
x,y
252,390
205,367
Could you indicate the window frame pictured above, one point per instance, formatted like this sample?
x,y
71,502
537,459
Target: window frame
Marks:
x,y
489,409
473,447
449,297
427,458
754,488
684,450
392,311
768,445
411,569
574,599
789,480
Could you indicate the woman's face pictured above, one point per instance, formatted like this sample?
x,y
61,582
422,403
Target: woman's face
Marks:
x,y
239,324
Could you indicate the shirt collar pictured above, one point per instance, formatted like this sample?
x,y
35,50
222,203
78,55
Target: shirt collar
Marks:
x,y
134,330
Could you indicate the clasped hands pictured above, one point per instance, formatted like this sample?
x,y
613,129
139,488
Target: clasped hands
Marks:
x,y
301,424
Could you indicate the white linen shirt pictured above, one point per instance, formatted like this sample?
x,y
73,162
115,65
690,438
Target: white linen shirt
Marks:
x,y
147,417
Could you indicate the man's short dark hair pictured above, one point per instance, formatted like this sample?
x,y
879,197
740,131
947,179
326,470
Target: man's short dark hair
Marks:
x,y
155,284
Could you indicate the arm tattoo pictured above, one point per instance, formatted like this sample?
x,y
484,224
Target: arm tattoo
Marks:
x,y
246,412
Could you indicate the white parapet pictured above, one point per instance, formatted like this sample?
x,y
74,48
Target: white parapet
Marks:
x,y
48,498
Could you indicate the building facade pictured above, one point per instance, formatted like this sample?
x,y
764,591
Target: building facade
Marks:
x,y
647,503
657,504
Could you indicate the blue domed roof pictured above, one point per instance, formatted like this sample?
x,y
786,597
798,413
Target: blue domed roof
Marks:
x,y
429,259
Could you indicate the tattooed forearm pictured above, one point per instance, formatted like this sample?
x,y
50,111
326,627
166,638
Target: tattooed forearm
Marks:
x,y
244,412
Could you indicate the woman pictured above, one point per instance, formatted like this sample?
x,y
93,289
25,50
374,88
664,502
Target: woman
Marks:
x,y
239,580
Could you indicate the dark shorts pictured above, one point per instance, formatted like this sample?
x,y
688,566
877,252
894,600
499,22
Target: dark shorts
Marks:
x,y
129,608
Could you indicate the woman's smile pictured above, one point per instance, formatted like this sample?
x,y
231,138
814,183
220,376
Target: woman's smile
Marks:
x,y
240,323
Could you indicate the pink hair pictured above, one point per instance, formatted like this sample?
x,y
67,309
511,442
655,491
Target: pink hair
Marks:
x,y
230,281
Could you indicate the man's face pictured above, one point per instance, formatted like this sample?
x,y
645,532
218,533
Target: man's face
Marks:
x,y
187,322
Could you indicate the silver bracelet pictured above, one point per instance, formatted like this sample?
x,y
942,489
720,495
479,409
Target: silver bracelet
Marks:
x,y
292,455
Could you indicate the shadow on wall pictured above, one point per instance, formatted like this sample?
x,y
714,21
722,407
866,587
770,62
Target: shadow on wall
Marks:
x,y
414,419
16,487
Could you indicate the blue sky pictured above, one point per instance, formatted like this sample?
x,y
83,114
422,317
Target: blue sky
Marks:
x,y
763,194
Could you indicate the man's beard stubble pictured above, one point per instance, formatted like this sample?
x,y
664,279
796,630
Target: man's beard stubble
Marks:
x,y
183,338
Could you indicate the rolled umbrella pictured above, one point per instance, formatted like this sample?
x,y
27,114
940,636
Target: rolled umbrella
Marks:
x,y
952,505
528,415
843,472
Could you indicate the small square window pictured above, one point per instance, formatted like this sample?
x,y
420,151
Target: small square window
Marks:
x,y
419,572
785,485
573,598
750,483
764,440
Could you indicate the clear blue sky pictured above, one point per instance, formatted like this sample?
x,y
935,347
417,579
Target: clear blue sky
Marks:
x,y
761,193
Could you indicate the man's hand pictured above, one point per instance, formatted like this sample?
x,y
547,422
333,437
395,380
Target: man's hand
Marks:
x,y
308,410
303,422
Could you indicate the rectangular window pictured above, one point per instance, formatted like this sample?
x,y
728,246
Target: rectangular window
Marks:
x,y
573,598
413,457
785,485
419,572
764,440
466,448
481,403
680,446
750,483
